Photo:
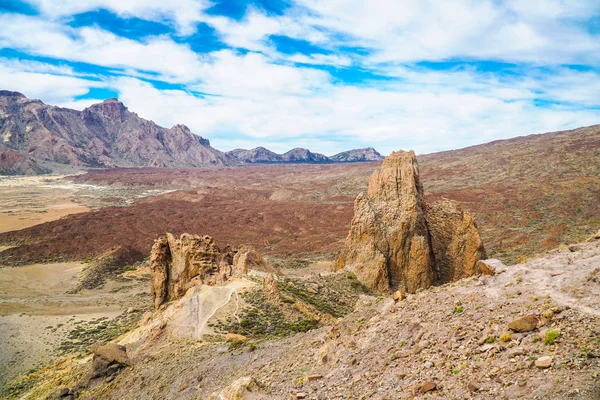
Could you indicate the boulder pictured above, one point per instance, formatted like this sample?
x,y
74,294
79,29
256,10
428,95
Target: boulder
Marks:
x,y
109,359
234,337
243,388
177,264
398,243
543,362
525,324
247,258
428,387
490,267
111,352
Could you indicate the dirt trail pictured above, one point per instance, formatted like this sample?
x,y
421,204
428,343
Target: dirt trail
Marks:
x,y
570,278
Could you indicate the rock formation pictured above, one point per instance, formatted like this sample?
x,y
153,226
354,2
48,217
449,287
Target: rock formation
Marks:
x,y
455,240
177,264
388,244
396,242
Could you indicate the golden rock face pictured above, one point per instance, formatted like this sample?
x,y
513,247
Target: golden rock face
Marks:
x,y
397,242
177,264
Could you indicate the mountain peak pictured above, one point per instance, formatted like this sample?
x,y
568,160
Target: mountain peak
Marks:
x,y
8,93
358,155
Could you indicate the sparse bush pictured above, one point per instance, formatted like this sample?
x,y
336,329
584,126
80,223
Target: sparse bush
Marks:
x,y
505,337
490,340
458,310
551,336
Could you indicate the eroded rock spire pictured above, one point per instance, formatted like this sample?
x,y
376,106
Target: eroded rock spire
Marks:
x,y
397,242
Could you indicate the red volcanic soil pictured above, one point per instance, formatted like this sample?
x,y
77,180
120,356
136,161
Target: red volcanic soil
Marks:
x,y
292,214
528,194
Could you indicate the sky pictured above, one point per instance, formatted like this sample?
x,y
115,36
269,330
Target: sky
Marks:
x,y
426,75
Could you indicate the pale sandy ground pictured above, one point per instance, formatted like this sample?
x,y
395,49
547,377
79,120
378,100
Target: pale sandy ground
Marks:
x,y
32,200
36,314
319,267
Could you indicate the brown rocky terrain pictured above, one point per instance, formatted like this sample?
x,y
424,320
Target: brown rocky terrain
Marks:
x,y
529,331
13,163
525,331
528,194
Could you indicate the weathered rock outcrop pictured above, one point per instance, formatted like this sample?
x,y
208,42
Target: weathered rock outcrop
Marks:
x,y
455,240
177,264
396,242
388,246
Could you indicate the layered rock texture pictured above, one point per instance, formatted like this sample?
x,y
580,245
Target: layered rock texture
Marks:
x,y
177,264
106,134
397,242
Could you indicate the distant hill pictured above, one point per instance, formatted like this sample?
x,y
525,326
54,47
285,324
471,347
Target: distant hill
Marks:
x,y
257,155
357,155
102,135
300,155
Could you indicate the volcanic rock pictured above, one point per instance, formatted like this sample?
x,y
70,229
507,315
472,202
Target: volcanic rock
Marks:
x,y
543,362
111,352
397,242
388,246
177,264
248,258
180,263
457,246
491,266
525,324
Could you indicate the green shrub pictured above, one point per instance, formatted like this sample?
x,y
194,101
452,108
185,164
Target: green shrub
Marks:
x,y
551,336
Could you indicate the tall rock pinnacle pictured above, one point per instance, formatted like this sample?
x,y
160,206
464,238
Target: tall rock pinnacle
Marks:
x,y
394,245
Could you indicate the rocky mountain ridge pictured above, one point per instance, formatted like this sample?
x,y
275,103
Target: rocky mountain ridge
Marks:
x,y
102,135
36,137
300,155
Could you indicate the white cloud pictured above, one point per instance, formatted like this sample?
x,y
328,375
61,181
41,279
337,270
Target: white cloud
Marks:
x,y
416,30
425,117
183,14
261,98
173,61
54,85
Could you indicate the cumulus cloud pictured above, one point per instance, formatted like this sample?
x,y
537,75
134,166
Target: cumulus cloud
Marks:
x,y
250,94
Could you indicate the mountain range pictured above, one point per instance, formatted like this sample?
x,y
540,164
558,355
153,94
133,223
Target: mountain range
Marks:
x,y
36,137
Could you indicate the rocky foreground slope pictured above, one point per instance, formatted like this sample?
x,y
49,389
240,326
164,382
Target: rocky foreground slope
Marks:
x,y
530,331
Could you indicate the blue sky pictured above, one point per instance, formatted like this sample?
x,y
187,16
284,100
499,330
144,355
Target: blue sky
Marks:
x,y
427,75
